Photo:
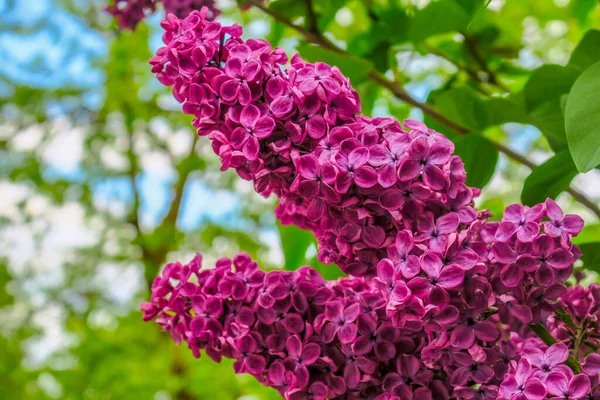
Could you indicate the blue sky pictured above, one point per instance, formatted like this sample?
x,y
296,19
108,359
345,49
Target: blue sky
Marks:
x,y
65,50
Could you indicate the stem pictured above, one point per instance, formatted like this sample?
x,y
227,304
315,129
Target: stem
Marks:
x,y
579,337
461,66
471,45
398,91
541,331
312,20
566,318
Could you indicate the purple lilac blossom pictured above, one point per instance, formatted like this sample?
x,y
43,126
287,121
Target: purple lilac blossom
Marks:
x,y
440,302
128,13
294,131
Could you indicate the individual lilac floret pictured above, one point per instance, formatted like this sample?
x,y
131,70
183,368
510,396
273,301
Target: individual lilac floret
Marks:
x,y
565,386
521,385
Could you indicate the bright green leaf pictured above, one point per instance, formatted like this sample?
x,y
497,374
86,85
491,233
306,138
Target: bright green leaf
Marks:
x,y
543,92
329,272
501,110
582,118
480,157
549,118
393,25
590,233
587,51
294,242
463,105
591,255
548,82
472,7
549,179
289,8
354,68
438,17
582,9
496,205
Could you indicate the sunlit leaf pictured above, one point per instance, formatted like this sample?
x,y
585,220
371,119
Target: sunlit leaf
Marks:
x,y
591,255
502,110
294,243
480,157
543,93
590,233
587,51
463,105
438,17
549,179
582,117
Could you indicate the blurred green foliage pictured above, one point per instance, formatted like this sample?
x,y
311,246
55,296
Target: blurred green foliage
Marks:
x,y
514,73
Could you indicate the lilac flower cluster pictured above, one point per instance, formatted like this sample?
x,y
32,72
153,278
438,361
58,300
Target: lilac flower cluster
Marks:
x,y
540,373
306,337
441,301
129,13
354,181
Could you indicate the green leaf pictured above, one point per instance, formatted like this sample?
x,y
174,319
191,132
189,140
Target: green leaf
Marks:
x,y
582,9
329,272
369,94
543,92
276,33
472,7
582,119
393,25
354,68
587,51
550,119
289,8
501,110
294,243
548,82
496,205
438,17
462,104
549,179
479,156
590,233
591,256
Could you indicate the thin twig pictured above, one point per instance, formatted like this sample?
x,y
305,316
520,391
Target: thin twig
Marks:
x,y
471,46
398,91
579,337
461,66
312,19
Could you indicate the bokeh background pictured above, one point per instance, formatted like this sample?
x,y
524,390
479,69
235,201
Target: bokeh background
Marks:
x,y
102,180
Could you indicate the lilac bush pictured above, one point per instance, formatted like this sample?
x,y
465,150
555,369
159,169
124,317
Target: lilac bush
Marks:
x,y
441,302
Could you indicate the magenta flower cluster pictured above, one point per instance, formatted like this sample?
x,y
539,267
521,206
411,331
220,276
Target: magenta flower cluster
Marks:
x,y
354,181
128,13
441,301
313,339
306,337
